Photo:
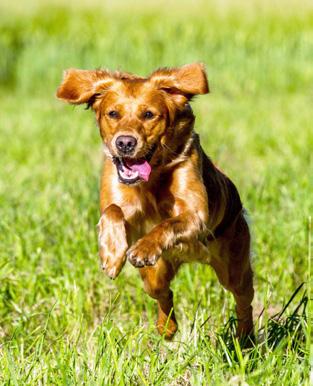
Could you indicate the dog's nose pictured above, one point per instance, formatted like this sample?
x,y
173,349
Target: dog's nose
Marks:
x,y
126,144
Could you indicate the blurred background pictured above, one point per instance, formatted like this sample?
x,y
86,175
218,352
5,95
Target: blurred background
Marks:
x,y
56,308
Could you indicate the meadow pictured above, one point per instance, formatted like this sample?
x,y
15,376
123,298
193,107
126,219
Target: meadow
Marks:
x,y
62,322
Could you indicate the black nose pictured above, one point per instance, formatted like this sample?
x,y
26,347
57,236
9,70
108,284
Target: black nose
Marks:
x,y
126,144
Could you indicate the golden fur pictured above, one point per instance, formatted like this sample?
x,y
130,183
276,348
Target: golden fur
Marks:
x,y
188,210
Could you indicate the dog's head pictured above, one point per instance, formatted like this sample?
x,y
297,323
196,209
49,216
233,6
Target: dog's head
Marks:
x,y
140,119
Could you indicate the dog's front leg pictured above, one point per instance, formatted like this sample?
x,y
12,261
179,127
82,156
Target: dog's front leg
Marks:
x,y
165,235
112,240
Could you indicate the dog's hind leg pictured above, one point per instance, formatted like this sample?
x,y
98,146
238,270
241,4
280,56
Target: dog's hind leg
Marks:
x,y
234,272
157,280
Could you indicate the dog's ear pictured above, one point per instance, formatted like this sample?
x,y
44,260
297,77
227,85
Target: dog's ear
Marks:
x,y
186,81
81,86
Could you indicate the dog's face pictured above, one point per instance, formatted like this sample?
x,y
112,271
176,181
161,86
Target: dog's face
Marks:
x,y
133,118
138,117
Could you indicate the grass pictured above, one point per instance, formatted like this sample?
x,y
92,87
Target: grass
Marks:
x,y
61,320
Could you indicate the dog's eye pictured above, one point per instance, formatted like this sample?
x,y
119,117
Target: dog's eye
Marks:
x,y
148,114
113,114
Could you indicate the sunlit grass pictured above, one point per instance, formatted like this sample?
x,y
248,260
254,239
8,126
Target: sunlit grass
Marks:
x,y
61,320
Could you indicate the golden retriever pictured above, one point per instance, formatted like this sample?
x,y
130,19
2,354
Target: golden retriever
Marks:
x,y
163,202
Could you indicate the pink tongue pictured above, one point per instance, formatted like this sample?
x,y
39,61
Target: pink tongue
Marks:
x,y
142,167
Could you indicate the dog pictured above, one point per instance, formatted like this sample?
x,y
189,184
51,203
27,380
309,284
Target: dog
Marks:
x,y
163,202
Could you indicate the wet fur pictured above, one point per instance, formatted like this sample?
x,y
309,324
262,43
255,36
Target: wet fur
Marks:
x,y
187,211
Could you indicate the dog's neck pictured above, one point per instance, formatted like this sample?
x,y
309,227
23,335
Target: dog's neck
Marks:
x,y
181,153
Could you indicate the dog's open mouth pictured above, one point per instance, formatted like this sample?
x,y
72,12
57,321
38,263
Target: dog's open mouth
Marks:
x,y
132,170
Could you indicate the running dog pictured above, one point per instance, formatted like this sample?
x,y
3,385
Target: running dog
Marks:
x,y
163,202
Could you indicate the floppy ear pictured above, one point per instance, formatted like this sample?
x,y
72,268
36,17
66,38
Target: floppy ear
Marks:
x,y
186,81
81,86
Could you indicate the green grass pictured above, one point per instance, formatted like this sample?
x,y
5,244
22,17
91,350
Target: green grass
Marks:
x,y
61,320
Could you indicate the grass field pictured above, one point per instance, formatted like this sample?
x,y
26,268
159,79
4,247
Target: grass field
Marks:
x,y
62,321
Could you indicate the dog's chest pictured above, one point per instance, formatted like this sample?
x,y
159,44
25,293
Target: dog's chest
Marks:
x,y
144,214
150,213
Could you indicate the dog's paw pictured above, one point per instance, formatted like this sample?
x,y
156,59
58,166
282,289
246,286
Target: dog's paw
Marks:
x,y
112,246
144,252
110,264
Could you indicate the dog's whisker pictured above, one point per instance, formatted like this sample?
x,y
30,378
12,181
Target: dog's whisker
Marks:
x,y
169,149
